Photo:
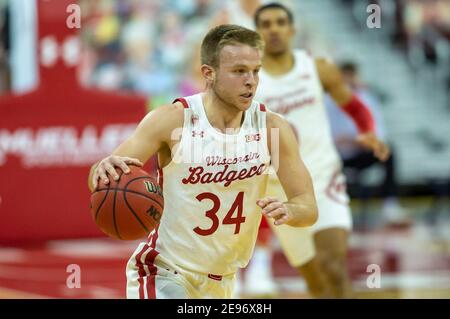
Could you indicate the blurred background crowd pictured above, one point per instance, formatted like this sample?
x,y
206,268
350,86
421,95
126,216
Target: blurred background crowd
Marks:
x,y
130,43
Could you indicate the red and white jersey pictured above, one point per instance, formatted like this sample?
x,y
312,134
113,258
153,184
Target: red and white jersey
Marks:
x,y
298,96
210,220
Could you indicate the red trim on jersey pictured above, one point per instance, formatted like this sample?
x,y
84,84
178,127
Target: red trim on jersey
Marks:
x,y
149,261
215,277
141,270
149,283
333,187
183,101
262,107
264,232
160,176
264,224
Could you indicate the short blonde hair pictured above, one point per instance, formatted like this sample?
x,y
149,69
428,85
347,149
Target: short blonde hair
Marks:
x,y
227,34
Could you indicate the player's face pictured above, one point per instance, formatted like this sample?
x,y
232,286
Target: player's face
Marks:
x,y
276,30
236,78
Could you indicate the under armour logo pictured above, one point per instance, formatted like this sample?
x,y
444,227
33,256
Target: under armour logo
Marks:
x,y
194,119
201,134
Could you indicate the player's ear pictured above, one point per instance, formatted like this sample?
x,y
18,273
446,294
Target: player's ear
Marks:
x,y
293,30
208,73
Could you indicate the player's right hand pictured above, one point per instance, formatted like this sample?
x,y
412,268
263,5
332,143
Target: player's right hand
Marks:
x,y
276,209
370,141
106,167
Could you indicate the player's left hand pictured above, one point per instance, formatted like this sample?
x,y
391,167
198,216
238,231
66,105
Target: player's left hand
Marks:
x,y
274,208
370,141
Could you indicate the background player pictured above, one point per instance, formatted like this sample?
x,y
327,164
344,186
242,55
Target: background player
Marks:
x,y
208,231
293,84
358,159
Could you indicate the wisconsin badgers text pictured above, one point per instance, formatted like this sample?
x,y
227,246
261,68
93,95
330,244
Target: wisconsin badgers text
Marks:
x,y
198,175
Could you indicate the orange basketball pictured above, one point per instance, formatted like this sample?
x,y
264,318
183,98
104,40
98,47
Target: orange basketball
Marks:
x,y
130,208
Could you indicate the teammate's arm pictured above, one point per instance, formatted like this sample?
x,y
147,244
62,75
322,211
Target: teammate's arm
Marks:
x,y
334,84
300,210
151,135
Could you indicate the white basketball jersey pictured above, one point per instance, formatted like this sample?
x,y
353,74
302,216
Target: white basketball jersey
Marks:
x,y
298,96
210,220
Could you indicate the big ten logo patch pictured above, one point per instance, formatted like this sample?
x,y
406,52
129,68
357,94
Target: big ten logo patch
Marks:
x,y
253,137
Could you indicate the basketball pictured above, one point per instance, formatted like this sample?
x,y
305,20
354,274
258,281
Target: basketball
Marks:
x,y
130,208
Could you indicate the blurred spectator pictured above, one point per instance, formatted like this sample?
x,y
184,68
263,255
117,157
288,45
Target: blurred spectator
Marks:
x,y
144,46
238,12
148,46
241,12
422,25
353,155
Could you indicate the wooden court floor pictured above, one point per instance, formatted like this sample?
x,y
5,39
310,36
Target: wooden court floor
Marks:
x,y
415,263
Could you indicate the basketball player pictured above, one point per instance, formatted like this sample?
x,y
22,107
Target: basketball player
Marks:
x,y
293,84
214,176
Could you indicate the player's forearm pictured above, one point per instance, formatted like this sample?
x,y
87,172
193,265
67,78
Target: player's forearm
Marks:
x,y
360,113
303,209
